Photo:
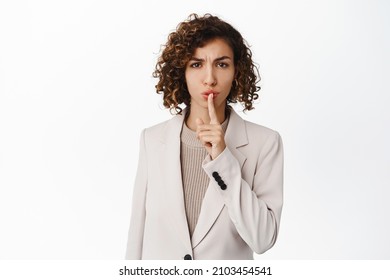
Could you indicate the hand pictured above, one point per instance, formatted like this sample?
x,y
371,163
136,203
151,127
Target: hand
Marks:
x,y
211,135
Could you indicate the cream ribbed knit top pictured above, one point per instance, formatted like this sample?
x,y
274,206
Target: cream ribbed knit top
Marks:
x,y
195,180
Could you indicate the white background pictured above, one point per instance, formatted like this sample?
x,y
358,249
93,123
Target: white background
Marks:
x,y
76,90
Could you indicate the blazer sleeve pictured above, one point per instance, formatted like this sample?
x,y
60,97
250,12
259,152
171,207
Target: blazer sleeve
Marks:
x,y
137,221
254,208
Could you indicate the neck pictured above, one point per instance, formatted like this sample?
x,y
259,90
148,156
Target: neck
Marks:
x,y
203,114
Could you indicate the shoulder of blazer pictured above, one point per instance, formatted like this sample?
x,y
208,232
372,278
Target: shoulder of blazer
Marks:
x,y
241,132
261,139
256,131
161,130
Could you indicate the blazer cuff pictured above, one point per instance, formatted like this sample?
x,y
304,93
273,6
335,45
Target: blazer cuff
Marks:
x,y
225,173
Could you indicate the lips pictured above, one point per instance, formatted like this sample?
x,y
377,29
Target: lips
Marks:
x,y
207,93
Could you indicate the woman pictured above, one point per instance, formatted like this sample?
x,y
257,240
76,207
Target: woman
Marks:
x,y
208,184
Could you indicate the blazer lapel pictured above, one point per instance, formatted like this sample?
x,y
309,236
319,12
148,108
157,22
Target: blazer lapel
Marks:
x,y
236,136
212,205
171,170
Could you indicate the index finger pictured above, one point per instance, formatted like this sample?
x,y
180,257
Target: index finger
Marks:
x,y
212,113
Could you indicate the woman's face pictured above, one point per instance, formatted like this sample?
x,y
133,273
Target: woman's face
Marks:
x,y
210,70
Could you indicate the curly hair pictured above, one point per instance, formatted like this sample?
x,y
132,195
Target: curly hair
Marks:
x,y
177,52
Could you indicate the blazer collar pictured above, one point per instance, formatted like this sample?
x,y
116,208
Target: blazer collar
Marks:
x,y
212,205
236,135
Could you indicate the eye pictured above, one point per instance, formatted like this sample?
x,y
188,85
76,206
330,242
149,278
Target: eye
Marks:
x,y
222,64
195,65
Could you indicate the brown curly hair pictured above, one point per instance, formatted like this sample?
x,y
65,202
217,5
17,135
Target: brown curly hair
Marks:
x,y
181,44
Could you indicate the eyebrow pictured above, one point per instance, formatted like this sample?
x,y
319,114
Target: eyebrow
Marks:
x,y
217,59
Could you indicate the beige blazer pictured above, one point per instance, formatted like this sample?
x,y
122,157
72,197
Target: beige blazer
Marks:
x,y
242,206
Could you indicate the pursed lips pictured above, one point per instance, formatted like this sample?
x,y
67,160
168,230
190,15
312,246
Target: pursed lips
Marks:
x,y
207,93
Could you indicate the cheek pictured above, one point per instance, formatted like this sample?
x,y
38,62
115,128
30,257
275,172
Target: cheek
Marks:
x,y
188,78
190,82
191,79
226,75
227,80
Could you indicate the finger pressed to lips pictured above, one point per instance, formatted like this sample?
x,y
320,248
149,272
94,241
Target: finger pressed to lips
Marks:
x,y
206,96
212,113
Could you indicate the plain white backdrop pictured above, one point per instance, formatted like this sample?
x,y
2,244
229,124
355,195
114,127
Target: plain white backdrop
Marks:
x,y
76,90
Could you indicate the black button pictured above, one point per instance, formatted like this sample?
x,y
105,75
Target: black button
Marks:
x,y
223,186
187,257
219,180
215,174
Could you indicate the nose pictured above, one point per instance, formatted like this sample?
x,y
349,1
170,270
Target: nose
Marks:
x,y
210,78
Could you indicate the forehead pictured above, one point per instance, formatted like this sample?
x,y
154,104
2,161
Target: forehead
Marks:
x,y
214,48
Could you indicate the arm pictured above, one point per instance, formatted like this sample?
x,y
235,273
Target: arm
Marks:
x,y
255,210
137,222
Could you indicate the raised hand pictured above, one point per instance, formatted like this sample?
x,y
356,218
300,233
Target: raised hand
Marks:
x,y
211,135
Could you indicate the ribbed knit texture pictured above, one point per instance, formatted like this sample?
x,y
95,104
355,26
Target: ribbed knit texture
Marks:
x,y
195,180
